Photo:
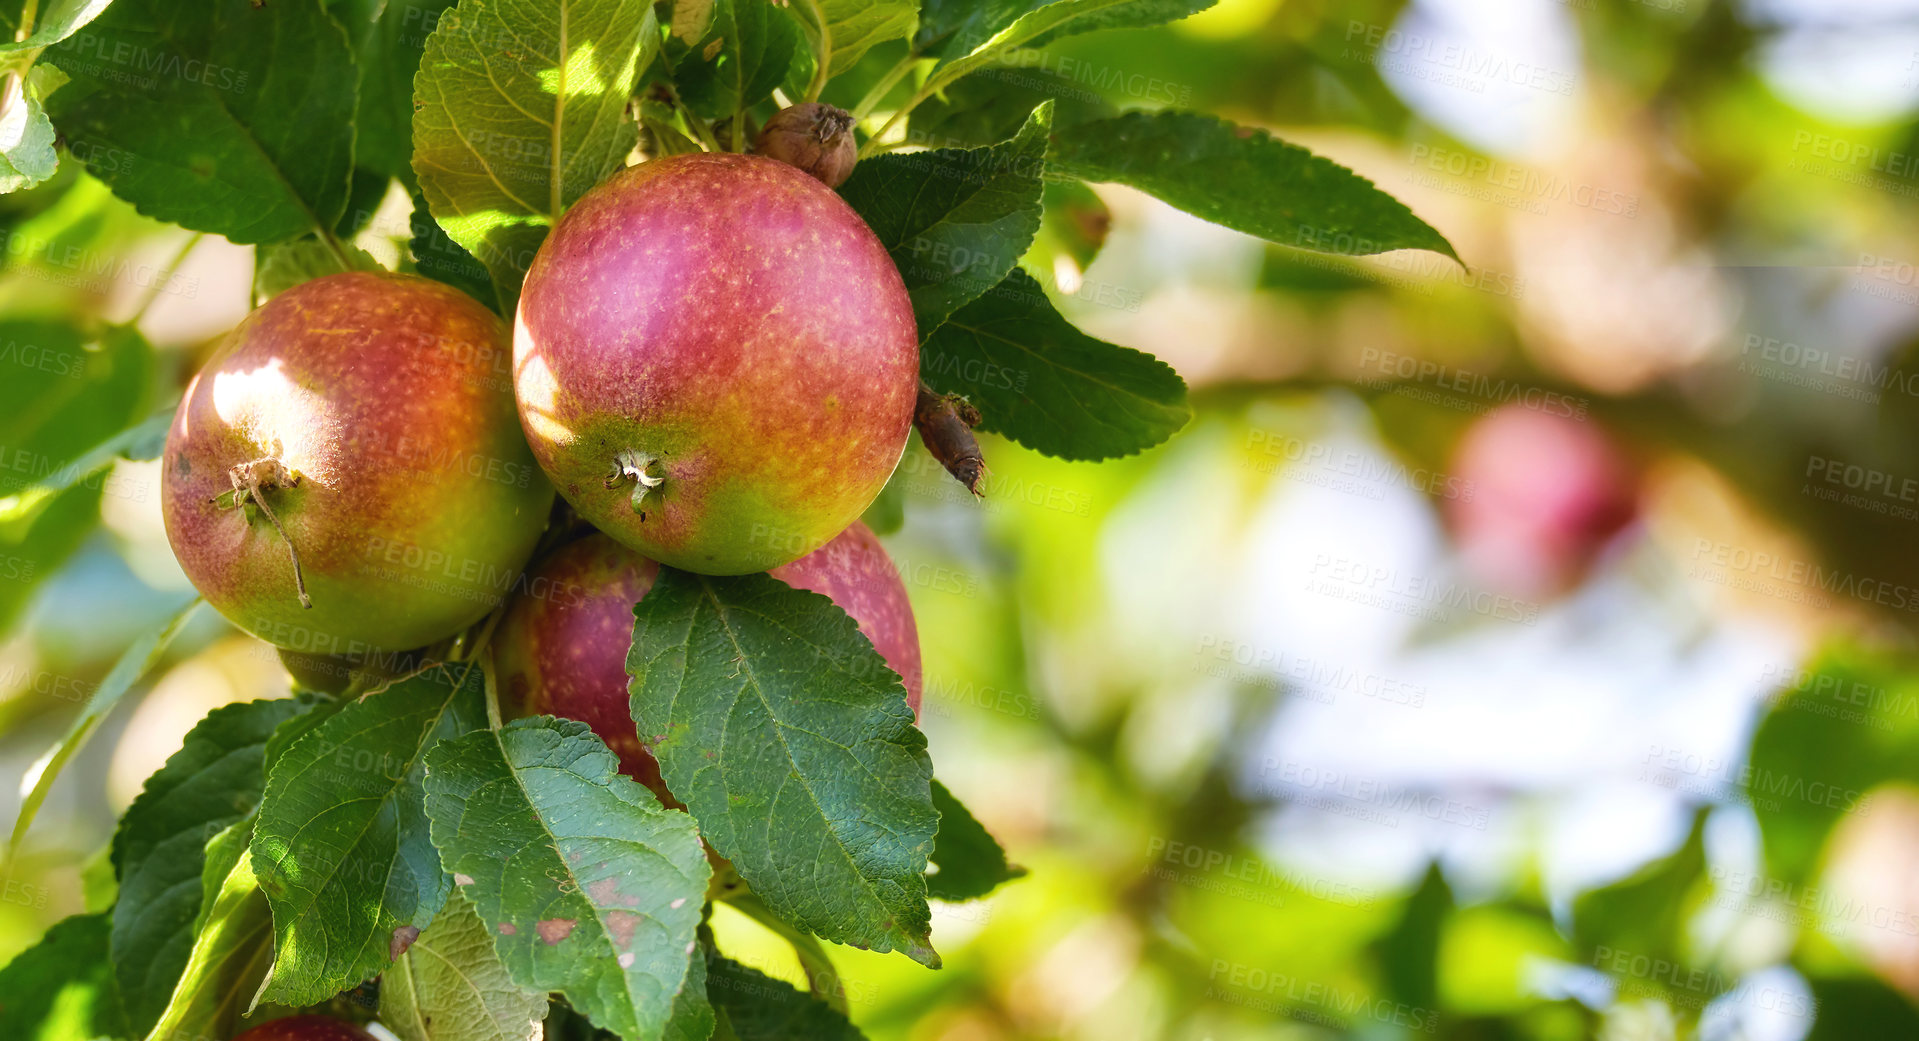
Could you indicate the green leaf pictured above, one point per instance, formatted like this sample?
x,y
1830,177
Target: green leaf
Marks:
x,y
287,264
745,53
1045,384
98,888
450,986
58,20
135,662
364,196
589,886
65,404
61,989
970,863
1245,179
1075,222
438,257
1646,912
33,547
693,1018
144,440
214,780
388,38
1802,743
232,945
980,27
287,734
1409,951
26,142
228,847
757,1007
775,722
991,106
238,118
954,219
520,108
61,395
856,26
342,847
1855,1007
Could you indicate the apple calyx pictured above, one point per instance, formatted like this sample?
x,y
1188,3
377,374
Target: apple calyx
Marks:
x,y
645,471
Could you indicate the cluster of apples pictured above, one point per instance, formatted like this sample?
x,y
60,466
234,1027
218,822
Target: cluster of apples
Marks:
x,y
714,362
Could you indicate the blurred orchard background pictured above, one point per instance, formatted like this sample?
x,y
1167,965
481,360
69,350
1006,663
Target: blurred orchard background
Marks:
x,y
1520,651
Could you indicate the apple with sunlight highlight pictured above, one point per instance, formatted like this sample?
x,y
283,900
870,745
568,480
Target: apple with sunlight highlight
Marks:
x,y
716,361
345,475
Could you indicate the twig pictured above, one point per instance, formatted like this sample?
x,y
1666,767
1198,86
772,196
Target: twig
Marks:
x,y
822,50
821,976
885,85
165,276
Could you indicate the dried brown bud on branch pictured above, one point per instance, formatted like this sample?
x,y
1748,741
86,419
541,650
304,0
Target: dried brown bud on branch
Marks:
x,y
946,423
814,137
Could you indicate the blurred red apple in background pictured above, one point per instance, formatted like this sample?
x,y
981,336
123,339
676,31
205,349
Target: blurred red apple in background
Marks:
x,y
1543,494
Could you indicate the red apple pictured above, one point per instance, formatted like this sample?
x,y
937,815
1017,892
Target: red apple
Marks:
x,y
1540,496
716,361
561,649
305,1028
854,572
364,422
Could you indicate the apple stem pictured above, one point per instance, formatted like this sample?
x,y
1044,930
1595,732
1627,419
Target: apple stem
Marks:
x,y
249,480
644,470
